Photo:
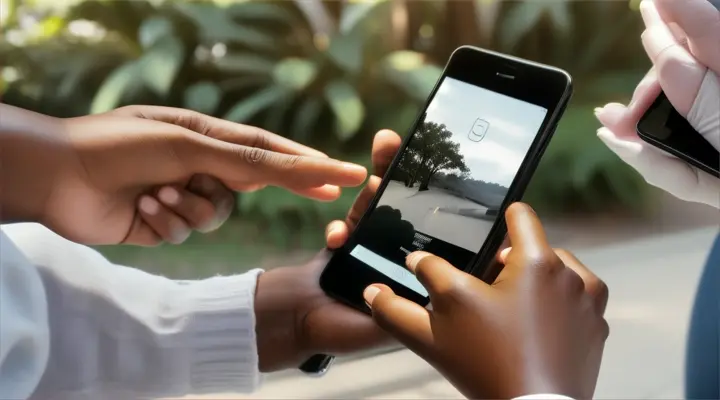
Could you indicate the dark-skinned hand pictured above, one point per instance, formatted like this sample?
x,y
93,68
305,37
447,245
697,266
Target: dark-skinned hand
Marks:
x,y
295,318
539,329
96,179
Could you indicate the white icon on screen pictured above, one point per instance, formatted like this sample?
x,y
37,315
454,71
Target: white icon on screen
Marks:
x,y
479,130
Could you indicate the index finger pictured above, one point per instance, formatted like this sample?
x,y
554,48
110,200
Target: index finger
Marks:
x,y
525,231
700,20
220,129
235,164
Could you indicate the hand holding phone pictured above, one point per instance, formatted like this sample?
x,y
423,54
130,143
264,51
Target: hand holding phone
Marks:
x,y
535,332
469,155
677,106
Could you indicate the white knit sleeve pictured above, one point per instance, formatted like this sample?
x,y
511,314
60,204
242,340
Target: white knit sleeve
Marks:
x,y
24,335
120,333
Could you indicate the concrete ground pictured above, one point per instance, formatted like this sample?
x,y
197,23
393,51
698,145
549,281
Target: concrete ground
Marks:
x,y
652,269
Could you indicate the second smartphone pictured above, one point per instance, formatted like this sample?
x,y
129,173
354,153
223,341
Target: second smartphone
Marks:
x,y
663,127
469,155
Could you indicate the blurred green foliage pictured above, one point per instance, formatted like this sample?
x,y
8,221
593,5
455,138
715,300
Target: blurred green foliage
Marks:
x,y
326,73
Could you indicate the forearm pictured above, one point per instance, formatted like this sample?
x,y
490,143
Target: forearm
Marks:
x,y
31,153
129,334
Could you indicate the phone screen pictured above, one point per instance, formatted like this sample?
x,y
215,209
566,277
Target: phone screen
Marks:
x,y
469,154
452,178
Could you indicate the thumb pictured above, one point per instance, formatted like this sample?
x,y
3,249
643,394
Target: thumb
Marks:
x,y
408,322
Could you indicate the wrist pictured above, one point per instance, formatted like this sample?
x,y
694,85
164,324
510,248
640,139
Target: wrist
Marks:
x,y
277,322
33,153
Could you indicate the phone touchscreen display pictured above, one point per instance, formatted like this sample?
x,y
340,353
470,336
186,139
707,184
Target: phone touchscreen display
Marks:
x,y
452,178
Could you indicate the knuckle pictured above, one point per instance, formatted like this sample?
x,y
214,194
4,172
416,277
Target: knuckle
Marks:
x,y
261,140
254,155
289,161
129,110
603,328
601,293
543,259
573,283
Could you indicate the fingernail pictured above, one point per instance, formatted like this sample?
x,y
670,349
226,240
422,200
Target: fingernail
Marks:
x,y
370,293
354,167
148,205
413,259
169,195
609,114
179,232
331,230
503,254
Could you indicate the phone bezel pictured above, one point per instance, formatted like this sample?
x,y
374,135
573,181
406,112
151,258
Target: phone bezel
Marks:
x,y
536,83
692,140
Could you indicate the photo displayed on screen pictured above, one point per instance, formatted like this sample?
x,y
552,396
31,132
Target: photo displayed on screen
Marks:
x,y
452,178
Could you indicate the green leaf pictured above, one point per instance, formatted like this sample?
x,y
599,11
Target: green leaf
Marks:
x,y
203,97
407,70
122,80
216,25
305,119
50,27
152,30
295,73
559,12
346,51
245,63
161,64
247,108
347,106
276,114
252,11
354,13
404,60
521,19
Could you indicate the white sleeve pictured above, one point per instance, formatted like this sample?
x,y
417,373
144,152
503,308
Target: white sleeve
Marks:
x,y
120,333
543,397
24,336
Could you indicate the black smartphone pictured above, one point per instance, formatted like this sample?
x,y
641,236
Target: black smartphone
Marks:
x,y
663,127
469,155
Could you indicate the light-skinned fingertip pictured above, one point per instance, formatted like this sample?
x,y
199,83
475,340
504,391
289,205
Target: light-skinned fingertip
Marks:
x,y
179,232
355,169
169,195
370,293
180,235
148,205
504,255
414,258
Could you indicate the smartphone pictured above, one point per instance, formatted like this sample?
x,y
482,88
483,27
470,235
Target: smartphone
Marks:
x,y
470,154
663,127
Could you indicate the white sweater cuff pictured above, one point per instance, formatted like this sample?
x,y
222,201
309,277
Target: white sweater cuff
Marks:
x,y
221,328
543,397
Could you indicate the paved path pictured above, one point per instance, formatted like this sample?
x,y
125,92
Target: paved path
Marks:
x,y
425,211
652,283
